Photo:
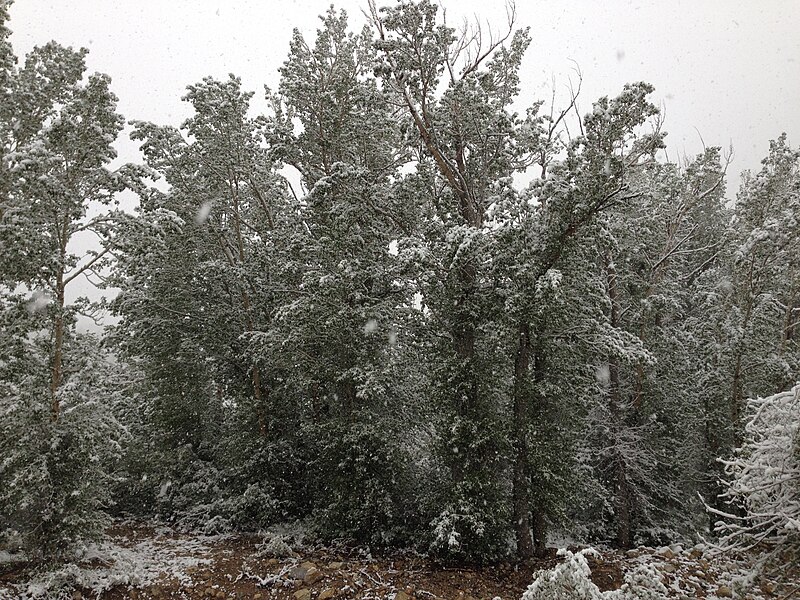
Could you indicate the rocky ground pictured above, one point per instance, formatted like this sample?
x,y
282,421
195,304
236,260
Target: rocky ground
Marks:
x,y
141,562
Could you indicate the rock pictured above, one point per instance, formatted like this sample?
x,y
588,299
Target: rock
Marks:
x,y
409,590
632,553
666,553
272,562
210,592
133,594
221,595
326,594
669,568
76,595
401,595
312,576
308,565
257,596
298,573
336,565
303,594
695,553
724,591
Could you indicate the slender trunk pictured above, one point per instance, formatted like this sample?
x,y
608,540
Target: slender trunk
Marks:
x,y
539,534
520,482
622,496
58,334
58,348
464,344
539,521
256,375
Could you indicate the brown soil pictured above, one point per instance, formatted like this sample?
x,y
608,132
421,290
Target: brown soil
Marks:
x,y
236,570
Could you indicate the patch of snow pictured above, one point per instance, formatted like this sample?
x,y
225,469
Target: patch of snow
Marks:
x,y
142,564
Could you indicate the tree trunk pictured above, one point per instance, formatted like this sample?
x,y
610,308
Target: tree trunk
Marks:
x,y
58,334
520,482
539,534
464,344
622,496
256,376
58,348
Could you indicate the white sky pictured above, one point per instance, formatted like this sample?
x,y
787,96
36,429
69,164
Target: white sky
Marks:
x,y
728,69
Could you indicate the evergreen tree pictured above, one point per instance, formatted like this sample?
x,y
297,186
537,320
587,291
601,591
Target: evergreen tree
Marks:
x,y
59,435
347,299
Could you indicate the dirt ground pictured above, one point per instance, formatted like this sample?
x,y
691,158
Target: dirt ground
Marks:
x,y
166,564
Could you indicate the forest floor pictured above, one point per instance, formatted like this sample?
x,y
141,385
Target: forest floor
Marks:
x,y
148,562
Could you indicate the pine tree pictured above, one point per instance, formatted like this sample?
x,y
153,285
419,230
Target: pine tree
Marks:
x,y
59,434
347,299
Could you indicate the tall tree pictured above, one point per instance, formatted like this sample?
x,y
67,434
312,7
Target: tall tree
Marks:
x,y
456,95
59,434
347,295
595,176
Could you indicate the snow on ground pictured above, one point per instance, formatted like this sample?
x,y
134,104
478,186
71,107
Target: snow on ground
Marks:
x,y
119,561
146,562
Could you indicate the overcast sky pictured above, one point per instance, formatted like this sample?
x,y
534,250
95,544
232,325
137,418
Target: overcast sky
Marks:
x,y
726,70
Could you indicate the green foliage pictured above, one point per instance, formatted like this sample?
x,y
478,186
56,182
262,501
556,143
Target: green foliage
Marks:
x,y
59,433
347,311
56,476
361,486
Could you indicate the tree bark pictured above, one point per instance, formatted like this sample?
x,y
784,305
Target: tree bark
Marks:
x,y
256,375
622,496
58,348
58,334
520,481
539,534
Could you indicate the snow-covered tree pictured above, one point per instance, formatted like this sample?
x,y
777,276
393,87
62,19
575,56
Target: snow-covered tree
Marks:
x,y
195,267
762,490
765,289
654,259
339,332
455,95
59,434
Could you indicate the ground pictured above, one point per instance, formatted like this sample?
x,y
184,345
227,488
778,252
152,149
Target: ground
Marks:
x,y
148,562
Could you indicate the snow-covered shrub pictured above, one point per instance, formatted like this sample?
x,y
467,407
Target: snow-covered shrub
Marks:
x,y
570,580
358,478
472,508
643,583
189,492
763,486
275,546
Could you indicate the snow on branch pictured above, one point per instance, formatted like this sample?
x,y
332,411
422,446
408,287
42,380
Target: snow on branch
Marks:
x,y
763,487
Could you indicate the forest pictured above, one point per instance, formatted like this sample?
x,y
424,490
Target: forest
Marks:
x,y
395,312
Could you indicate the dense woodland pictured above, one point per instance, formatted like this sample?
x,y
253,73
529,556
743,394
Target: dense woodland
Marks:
x,y
395,307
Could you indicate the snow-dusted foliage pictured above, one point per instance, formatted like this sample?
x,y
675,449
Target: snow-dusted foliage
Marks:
x,y
56,476
763,480
347,312
570,580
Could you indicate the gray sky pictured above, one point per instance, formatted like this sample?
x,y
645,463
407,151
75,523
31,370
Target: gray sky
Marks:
x,y
728,69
